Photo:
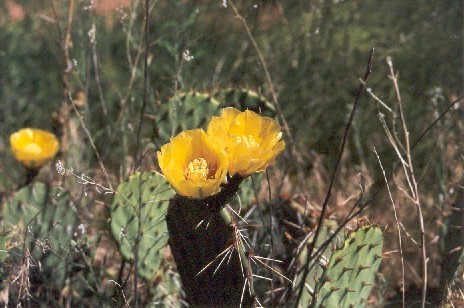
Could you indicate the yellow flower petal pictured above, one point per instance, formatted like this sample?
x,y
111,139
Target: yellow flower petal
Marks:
x,y
194,163
252,142
33,147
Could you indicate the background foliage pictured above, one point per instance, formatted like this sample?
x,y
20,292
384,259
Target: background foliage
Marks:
x,y
315,52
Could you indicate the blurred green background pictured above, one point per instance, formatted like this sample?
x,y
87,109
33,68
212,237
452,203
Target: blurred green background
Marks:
x,y
315,51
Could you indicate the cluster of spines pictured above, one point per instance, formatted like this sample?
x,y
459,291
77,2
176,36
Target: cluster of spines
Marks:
x,y
349,276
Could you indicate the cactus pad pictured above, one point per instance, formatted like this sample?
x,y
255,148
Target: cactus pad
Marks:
x,y
184,111
166,287
190,110
244,99
350,274
155,194
44,218
323,259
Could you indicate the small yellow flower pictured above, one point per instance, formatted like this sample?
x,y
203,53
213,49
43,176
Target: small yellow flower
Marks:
x,y
194,163
252,142
33,147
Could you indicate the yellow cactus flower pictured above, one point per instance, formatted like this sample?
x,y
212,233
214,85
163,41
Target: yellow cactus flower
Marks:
x,y
252,142
34,147
194,163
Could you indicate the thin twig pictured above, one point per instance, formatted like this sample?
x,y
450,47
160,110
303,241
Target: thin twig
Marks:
x,y
271,215
334,175
414,190
101,96
138,157
397,147
394,78
67,44
369,90
276,103
352,214
399,230
67,93
121,289
133,64
409,236
92,144
414,145
438,119
55,18
138,152
368,202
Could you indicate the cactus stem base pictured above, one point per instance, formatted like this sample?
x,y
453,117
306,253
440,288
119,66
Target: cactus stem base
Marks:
x,y
204,245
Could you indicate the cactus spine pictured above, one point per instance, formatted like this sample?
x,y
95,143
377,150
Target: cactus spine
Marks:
x,y
350,273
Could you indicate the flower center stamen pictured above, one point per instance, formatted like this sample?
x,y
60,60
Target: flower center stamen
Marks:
x,y
197,170
248,140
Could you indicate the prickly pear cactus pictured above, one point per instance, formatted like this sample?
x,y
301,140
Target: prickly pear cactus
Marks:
x,y
126,210
245,99
43,217
191,110
199,235
317,270
350,273
166,287
182,112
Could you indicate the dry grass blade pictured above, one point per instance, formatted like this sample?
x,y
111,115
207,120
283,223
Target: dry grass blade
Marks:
x,y
399,230
409,173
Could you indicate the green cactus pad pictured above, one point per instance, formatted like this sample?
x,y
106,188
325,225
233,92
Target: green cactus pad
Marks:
x,y
244,99
184,111
165,291
43,217
350,274
190,110
316,271
155,195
